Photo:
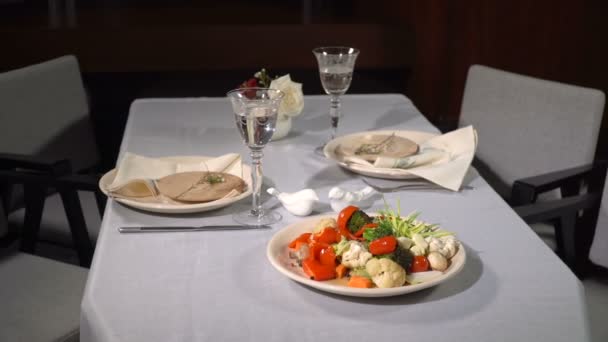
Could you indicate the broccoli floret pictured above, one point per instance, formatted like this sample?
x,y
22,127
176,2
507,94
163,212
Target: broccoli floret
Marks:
x,y
384,229
358,220
403,257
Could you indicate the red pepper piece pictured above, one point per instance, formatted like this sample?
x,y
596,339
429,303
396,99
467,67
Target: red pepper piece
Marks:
x,y
343,218
302,238
317,271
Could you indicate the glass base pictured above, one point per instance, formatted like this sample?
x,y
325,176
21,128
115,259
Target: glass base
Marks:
x,y
319,150
248,219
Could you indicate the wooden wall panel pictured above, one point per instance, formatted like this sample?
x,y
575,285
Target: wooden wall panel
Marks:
x,y
563,40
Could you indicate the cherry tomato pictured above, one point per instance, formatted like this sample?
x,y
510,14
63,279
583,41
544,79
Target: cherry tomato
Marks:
x,y
383,245
343,218
420,264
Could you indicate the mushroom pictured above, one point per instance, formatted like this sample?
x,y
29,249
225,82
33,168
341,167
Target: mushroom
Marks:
x,y
437,261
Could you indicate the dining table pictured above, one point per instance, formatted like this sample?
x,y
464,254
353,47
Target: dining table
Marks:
x,y
220,286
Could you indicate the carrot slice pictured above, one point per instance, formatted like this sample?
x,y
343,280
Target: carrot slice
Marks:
x,y
341,271
361,282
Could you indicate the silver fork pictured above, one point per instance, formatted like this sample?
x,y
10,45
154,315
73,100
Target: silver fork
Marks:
x,y
410,185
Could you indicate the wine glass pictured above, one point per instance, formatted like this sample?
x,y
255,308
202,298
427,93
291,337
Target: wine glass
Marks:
x,y
336,64
255,112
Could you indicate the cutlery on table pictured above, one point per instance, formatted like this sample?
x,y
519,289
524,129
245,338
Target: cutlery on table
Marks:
x,y
409,185
166,229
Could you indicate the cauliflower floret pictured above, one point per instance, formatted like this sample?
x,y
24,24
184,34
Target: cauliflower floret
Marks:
x,y
324,223
385,272
446,246
300,254
417,250
435,245
420,241
450,246
356,255
404,242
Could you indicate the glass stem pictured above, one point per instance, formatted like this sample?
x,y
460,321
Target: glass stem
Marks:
x,y
334,115
256,176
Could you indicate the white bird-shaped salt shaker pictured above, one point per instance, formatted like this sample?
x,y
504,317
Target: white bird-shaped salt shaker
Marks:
x,y
340,198
299,203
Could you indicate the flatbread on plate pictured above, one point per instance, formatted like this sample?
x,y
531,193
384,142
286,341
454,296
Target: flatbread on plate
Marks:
x,y
200,186
372,146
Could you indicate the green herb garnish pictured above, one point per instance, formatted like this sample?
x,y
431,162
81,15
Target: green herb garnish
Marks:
x,y
407,226
214,179
384,229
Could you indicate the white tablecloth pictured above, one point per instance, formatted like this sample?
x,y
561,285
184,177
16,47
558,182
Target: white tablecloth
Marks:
x,y
218,286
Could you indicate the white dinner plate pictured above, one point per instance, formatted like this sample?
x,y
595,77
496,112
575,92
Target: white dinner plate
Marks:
x,y
166,208
278,254
330,152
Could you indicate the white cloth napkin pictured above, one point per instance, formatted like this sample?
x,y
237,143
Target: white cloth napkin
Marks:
x,y
136,174
443,160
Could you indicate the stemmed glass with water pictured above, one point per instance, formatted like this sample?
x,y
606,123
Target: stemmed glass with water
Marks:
x,y
255,112
336,64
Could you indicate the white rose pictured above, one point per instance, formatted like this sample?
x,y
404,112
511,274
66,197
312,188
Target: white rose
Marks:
x,y
293,100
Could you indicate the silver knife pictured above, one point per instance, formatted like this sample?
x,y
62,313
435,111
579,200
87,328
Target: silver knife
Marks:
x,y
165,229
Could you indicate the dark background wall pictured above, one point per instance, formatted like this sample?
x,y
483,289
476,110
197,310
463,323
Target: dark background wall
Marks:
x,y
422,48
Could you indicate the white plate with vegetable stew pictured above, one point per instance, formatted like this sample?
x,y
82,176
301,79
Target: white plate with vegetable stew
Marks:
x,y
389,256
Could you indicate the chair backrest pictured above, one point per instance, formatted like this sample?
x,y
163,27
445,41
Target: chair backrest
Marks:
x,y
44,112
528,126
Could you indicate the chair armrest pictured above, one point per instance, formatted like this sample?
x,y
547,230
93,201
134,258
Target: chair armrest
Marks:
x,y
549,210
526,190
87,182
14,161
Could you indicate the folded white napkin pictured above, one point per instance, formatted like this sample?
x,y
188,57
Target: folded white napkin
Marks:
x,y
443,160
136,174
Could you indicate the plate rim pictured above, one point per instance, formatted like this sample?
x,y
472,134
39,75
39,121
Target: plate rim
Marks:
x,y
351,291
178,208
375,172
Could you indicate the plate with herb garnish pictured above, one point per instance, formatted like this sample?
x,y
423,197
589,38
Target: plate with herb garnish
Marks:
x,y
186,192
360,152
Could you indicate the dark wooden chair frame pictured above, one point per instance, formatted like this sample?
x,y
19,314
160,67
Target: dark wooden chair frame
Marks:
x,y
38,177
574,215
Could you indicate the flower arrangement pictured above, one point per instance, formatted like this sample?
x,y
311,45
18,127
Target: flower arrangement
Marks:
x,y
292,103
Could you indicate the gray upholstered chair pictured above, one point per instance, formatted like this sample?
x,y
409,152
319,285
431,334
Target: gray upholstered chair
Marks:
x,y
44,120
535,138
40,298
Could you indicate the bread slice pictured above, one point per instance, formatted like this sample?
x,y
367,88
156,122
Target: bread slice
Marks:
x,y
200,186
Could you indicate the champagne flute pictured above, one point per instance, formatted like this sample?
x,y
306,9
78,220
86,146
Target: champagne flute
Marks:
x,y
336,64
255,111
